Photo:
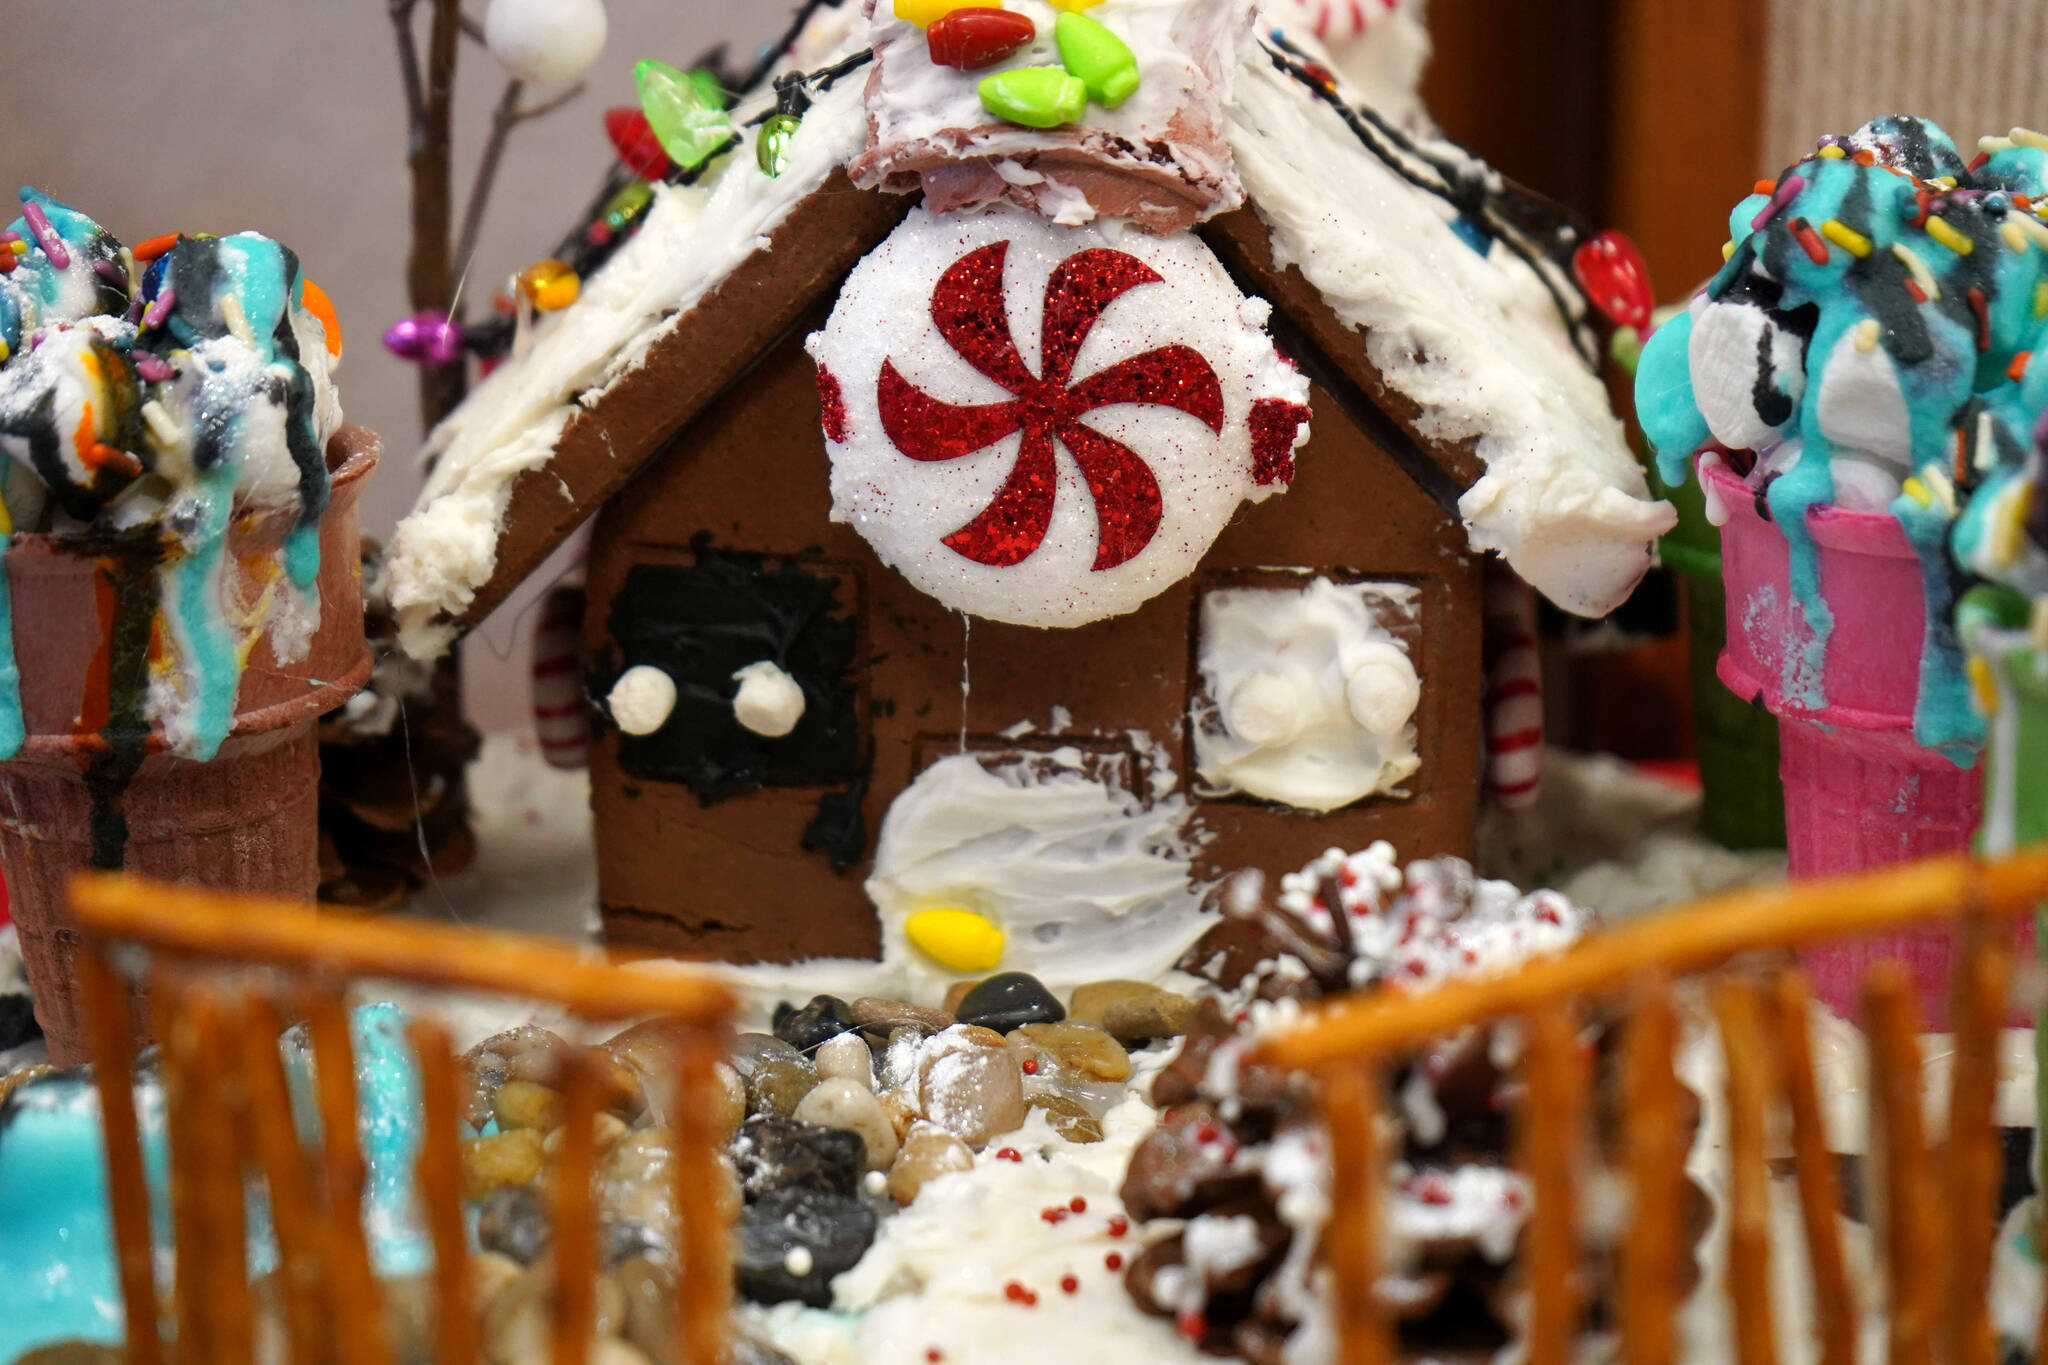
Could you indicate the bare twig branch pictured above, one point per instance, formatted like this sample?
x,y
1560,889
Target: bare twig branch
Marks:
x,y
503,119
548,106
472,30
409,66
429,278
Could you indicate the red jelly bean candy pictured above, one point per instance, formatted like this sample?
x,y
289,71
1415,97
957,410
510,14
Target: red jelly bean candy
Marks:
x,y
1611,271
972,38
639,150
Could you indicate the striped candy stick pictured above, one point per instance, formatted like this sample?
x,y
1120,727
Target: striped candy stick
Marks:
x,y
560,718
1514,691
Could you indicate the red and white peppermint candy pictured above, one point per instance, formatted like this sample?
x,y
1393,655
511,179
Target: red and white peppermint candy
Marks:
x,y
1514,691
1048,425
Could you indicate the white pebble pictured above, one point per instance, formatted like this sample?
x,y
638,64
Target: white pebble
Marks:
x,y
545,41
841,1103
641,699
798,1261
875,1183
847,1056
769,701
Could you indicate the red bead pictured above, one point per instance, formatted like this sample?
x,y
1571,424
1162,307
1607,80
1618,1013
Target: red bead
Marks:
x,y
1070,1284
1119,1225
1031,1066
638,148
969,39
934,1355
1014,1292
1114,1260
1078,1204
1611,271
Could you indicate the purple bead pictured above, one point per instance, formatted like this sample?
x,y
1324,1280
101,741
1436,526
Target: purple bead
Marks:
x,y
426,339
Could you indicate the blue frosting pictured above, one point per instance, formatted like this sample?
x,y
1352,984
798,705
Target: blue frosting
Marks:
x,y
56,1233
1885,241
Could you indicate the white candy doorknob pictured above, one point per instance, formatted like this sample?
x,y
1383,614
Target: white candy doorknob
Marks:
x,y
640,701
1265,709
1382,690
769,701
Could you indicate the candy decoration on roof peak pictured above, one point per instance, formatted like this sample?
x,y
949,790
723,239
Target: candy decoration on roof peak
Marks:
x,y
545,41
1035,96
978,36
684,110
1103,62
1617,282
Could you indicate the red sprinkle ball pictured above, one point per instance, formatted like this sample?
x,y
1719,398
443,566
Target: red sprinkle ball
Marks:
x,y
1031,1066
1192,1325
1070,1284
1009,1154
1114,1260
1017,1293
1119,1225
934,1355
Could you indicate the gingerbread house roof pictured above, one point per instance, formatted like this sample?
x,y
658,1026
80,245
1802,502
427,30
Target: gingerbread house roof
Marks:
x,y
1409,281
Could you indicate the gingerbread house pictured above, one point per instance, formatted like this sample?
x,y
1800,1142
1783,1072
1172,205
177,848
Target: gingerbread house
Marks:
x,y
960,541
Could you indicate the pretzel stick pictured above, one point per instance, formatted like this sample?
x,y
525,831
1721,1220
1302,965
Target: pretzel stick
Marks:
x,y
1820,1199
440,1184
1550,1136
575,1212
223,1116
1911,1232
1351,1099
1702,935
704,1279
1974,1163
350,1279
1656,1164
170,1022
191,922
109,1023
1749,1193
294,1214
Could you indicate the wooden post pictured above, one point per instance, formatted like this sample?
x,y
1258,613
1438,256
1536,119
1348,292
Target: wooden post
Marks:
x,y
351,1280
440,1186
110,1031
1351,1100
1820,1200
1974,1164
1911,1232
1749,1208
575,1213
1551,1132
1656,1167
288,1175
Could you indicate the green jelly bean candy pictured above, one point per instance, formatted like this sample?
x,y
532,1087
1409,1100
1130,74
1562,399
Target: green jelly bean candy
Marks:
x,y
686,120
1102,60
771,149
1035,96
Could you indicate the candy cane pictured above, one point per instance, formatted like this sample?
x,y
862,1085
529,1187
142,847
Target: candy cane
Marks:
x,y
559,717
1514,692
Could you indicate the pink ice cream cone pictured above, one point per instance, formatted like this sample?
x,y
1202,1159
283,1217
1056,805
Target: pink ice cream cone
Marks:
x,y
1859,791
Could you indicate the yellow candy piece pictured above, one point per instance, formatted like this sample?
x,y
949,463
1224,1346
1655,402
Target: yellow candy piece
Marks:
x,y
550,284
957,939
1075,6
924,13
1984,685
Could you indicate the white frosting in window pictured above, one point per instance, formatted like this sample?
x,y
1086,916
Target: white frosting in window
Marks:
x,y
641,699
1307,698
769,701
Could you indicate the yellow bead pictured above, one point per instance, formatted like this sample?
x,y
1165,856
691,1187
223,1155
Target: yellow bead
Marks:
x,y
557,293
957,939
924,13
1075,6
1984,685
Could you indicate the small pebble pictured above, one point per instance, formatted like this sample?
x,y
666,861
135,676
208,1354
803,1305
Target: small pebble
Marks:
x,y
609,1129
827,1016
1067,1116
842,1103
778,1086
1132,1011
491,1163
749,1050
902,1107
834,1230
846,1057
524,1104
929,1151
957,992
489,1274
514,1224
1078,1049
1010,1000
786,1153
518,1324
877,1015
970,1084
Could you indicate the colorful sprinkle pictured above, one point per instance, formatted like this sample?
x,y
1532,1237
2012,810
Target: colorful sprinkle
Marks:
x,y
1981,307
153,316
2014,237
1941,231
1868,333
1917,268
156,246
1787,190
45,235
1831,152
1809,240
1846,237
2018,366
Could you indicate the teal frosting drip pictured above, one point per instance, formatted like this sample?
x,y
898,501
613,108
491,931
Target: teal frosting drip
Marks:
x,y
1873,309
212,662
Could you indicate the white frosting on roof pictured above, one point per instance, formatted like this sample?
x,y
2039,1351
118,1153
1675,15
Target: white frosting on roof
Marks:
x,y
1476,342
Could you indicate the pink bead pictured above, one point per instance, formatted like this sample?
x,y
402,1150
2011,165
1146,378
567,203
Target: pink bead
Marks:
x,y
426,339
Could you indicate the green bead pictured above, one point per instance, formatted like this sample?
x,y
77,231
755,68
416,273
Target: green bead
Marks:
x,y
1102,60
689,123
623,207
771,148
1035,96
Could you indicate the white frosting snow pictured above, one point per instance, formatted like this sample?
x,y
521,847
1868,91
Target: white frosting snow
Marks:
x,y
691,240
1475,342
1309,699
1087,881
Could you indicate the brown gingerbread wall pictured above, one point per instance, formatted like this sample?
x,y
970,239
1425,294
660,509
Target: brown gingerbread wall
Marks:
x,y
728,879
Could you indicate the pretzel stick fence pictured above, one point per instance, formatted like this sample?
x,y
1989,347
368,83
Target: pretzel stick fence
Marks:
x,y
229,1114
1934,1232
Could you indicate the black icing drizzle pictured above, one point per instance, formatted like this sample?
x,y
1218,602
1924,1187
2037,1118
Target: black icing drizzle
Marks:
x,y
133,579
